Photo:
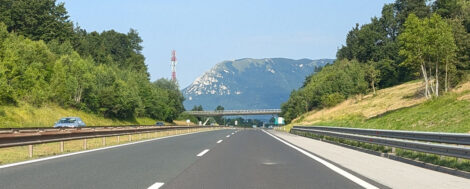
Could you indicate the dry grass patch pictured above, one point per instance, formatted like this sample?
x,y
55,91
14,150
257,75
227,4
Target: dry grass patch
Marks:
x,y
368,106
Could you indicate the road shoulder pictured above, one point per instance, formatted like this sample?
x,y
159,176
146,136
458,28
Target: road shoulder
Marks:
x,y
382,170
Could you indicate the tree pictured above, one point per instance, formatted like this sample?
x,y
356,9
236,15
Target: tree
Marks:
x,y
441,39
403,8
197,108
372,75
446,8
219,119
38,20
27,67
462,42
413,47
427,43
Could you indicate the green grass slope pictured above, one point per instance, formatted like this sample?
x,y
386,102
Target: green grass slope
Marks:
x,y
448,113
29,116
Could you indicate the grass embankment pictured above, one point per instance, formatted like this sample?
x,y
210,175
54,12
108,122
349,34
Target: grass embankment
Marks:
x,y
25,115
398,108
21,153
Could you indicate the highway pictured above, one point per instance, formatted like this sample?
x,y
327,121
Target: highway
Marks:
x,y
214,159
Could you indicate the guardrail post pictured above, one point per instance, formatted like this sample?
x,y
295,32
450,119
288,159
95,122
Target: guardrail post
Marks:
x,y
61,146
130,138
84,144
118,139
104,141
30,150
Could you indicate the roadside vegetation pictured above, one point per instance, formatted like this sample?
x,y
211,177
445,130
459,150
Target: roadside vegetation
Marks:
x,y
417,52
26,115
47,61
402,107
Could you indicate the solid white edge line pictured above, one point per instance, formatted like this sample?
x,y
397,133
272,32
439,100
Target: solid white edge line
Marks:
x,y
219,141
202,153
157,185
327,164
86,151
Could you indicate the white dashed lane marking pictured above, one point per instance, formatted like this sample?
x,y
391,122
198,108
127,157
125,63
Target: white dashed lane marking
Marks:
x,y
203,152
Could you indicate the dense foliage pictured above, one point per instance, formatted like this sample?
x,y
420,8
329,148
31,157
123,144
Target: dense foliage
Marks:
x,y
327,88
44,59
412,39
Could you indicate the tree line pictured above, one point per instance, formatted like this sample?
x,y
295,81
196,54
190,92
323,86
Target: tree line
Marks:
x,y
44,58
411,39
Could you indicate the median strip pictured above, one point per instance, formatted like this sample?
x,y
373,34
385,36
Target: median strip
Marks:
x,y
203,152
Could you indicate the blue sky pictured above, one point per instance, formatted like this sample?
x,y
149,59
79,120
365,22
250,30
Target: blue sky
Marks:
x,y
205,32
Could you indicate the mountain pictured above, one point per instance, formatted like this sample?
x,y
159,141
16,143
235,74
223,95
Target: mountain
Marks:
x,y
249,83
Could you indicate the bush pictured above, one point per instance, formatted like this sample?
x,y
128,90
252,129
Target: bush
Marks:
x,y
331,100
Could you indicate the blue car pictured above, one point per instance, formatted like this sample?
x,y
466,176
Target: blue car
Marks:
x,y
70,122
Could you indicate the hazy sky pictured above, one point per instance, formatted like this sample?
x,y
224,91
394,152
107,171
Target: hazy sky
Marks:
x,y
205,32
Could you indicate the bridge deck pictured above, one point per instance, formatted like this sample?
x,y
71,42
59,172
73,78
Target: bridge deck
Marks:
x,y
235,112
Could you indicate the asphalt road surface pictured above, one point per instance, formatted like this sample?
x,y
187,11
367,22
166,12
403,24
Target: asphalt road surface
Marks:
x,y
208,160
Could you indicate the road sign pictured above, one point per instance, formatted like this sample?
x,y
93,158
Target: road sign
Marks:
x,y
279,121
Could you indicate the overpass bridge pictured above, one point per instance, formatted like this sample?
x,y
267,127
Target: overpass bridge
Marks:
x,y
235,112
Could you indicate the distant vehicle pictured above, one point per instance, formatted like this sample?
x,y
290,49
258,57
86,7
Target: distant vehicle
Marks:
x,y
160,123
70,122
270,127
254,126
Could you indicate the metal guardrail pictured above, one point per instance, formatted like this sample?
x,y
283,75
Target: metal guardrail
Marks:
x,y
11,140
29,137
235,112
439,137
440,149
41,129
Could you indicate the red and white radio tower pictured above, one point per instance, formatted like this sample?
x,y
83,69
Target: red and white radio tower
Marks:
x,y
173,66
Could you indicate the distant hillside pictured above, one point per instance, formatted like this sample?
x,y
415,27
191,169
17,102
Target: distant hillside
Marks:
x,y
249,83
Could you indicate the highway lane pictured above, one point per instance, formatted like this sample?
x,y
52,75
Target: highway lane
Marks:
x,y
216,159
253,159
133,166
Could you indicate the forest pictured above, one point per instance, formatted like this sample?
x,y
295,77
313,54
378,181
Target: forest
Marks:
x,y
45,58
412,39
